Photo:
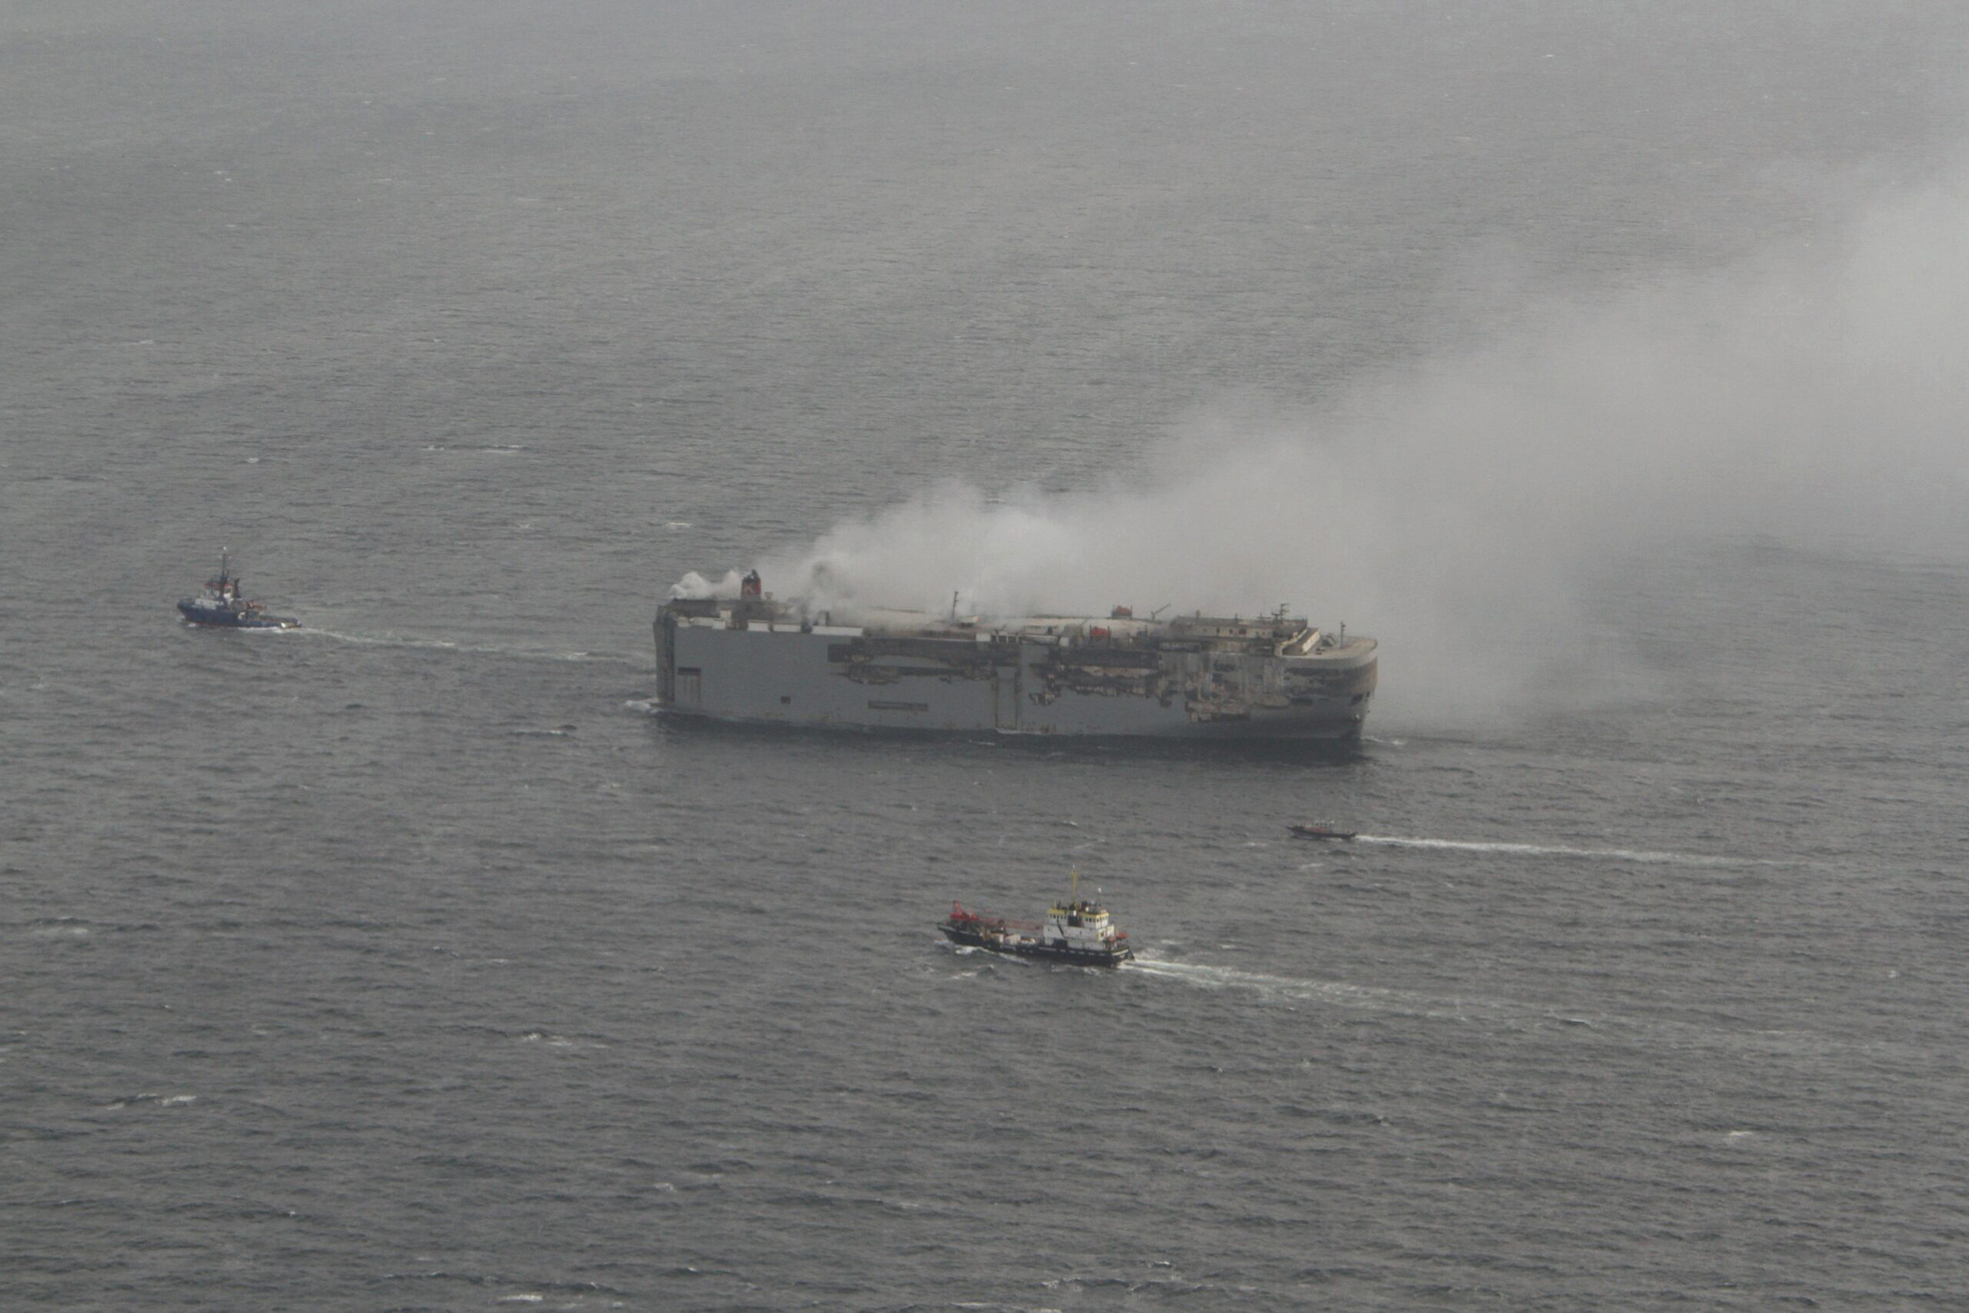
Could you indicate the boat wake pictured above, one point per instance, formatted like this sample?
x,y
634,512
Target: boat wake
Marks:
x,y
1555,850
1203,976
463,649
1589,1025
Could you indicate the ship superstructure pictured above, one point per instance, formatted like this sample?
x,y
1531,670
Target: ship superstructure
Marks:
x,y
754,659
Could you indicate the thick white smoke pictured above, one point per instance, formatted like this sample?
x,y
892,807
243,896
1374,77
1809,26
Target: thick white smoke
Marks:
x,y
1816,392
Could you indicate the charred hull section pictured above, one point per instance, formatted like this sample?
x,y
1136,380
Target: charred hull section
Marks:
x,y
755,660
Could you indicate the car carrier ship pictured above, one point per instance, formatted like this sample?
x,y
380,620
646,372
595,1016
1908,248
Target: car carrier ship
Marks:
x,y
756,660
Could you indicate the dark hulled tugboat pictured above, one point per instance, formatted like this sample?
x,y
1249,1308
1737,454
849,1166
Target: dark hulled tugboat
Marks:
x,y
1322,830
223,605
1074,931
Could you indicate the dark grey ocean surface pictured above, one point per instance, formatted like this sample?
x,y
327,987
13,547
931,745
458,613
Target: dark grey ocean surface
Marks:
x,y
410,961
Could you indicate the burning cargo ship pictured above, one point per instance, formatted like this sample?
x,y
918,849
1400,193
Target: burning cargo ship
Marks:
x,y
756,660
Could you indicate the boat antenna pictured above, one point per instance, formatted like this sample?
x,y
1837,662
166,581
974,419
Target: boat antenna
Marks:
x,y
1159,610
953,604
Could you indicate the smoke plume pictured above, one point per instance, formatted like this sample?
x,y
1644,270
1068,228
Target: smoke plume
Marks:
x,y
1816,393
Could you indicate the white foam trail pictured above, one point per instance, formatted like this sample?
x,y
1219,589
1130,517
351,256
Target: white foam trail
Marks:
x,y
1554,850
1204,976
1496,1011
467,649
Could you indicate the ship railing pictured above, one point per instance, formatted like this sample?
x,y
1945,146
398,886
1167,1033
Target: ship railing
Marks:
x,y
988,920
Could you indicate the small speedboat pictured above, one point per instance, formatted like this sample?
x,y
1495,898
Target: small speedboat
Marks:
x,y
223,605
1322,830
1075,931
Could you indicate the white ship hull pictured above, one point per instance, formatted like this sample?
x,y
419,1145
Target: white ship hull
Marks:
x,y
951,678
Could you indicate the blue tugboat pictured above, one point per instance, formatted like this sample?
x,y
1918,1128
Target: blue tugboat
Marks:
x,y
223,605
